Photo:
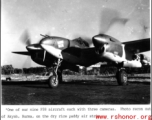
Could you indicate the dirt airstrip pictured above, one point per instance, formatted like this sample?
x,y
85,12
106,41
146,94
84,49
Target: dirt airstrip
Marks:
x,y
77,90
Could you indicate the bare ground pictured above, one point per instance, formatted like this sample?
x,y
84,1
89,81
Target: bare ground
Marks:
x,y
77,90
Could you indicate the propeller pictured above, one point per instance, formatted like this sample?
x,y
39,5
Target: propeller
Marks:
x,y
108,18
25,38
103,42
27,63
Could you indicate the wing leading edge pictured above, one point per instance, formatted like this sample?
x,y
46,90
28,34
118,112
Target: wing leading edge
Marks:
x,y
138,46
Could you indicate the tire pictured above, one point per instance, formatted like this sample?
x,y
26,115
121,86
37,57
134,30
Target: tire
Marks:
x,y
8,79
53,82
122,78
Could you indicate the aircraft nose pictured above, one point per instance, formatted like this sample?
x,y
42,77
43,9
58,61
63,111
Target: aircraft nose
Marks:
x,y
99,40
29,47
33,47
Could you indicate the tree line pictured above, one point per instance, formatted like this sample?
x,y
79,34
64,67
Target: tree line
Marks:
x,y
8,69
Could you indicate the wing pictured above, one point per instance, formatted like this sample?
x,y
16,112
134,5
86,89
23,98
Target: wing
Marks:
x,y
22,53
138,46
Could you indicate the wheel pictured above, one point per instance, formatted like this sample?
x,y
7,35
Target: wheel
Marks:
x,y
121,76
53,81
8,79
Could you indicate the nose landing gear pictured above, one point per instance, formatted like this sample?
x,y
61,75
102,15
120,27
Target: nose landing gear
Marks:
x,y
54,79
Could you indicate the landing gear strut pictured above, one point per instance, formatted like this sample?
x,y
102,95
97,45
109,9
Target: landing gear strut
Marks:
x,y
121,76
53,80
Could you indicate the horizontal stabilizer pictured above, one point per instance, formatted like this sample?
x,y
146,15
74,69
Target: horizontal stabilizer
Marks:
x,y
22,53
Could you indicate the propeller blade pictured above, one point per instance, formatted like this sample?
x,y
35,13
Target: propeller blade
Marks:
x,y
27,63
25,38
108,18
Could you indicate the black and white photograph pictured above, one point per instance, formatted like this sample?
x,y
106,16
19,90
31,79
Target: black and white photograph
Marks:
x,y
75,52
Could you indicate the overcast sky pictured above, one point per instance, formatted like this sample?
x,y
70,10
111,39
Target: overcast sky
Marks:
x,y
69,19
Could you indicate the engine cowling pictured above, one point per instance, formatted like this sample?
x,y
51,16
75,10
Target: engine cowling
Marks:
x,y
112,50
108,48
57,42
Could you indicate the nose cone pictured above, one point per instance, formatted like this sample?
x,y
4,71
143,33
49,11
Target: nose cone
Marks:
x,y
33,47
99,40
29,47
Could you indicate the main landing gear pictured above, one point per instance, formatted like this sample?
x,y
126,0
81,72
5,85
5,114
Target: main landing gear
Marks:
x,y
56,75
121,77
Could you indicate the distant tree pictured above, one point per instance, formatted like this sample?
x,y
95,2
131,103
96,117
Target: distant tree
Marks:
x,y
7,69
17,71
2,70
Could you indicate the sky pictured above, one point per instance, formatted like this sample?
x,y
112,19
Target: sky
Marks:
x,y
69,19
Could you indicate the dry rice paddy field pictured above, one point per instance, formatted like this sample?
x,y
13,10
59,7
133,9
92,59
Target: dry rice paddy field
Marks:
x,y
66,78
76,90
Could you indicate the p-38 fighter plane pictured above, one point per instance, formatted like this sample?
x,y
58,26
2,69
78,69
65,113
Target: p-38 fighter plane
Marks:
x,y
61,53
